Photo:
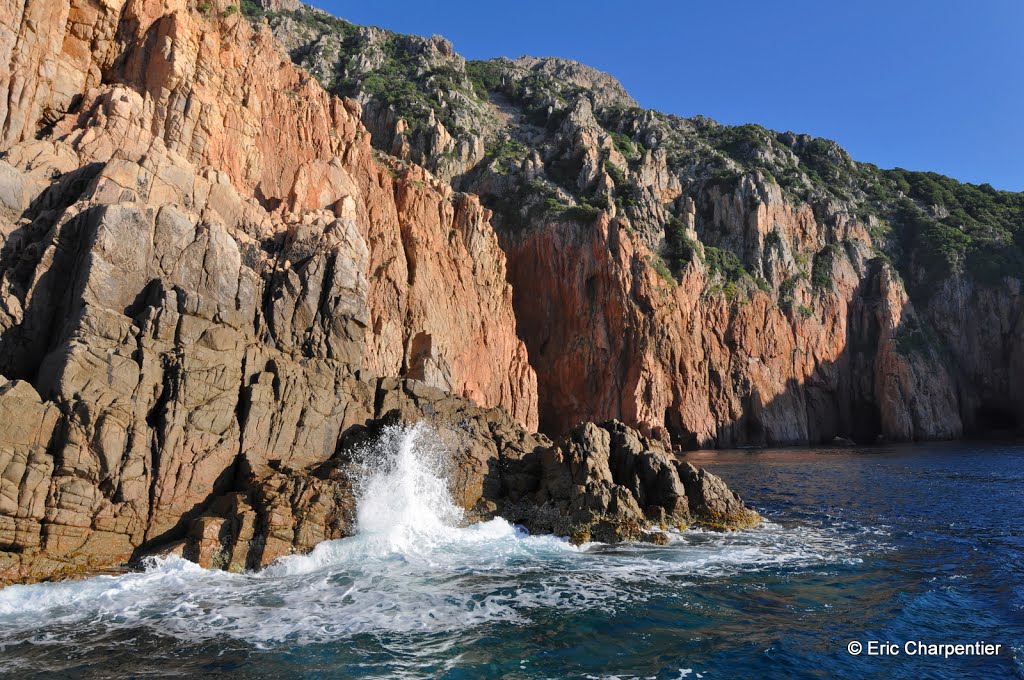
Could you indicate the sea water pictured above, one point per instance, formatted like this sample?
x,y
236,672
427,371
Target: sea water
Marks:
x,y
917,543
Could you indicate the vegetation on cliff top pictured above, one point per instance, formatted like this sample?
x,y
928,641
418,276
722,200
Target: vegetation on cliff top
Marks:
x,y
931,227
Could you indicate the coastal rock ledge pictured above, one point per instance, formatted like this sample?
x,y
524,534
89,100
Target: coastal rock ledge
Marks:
x,y
610,483
599,482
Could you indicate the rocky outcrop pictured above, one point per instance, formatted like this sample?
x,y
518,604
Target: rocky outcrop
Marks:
x,y
979,330
410,104
606,483
287,508
703,370
217,275
201,253
265,152
609,483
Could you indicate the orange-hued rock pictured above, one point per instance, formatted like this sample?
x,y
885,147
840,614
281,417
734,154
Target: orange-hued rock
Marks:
x,y
213,288
192,91
204,266
450,286
611,338
789,325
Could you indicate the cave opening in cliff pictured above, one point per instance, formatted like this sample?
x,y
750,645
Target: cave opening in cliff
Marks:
x,y
993,419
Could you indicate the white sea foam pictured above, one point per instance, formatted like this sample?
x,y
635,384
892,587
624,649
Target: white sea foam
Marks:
x,y
409,568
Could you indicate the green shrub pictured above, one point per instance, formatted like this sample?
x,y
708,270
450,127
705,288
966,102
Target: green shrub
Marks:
x,y
742,143
617,175
251,8
787,290
990,263
625,145
978,230
624,195
726,181
583,212
724,263
505,152
661,269
821,269
730,290
826,164
679,248
485,76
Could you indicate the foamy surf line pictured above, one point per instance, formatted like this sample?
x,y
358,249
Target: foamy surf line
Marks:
x,y
409,568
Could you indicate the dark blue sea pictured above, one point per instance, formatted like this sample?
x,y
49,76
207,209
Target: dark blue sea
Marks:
x,y
920,544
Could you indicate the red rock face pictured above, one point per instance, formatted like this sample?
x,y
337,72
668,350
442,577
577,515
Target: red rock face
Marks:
x,y
219,95
204,267
209,282
440,305
610,338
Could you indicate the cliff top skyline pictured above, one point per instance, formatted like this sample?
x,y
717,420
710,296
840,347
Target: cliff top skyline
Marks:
x,y
880,79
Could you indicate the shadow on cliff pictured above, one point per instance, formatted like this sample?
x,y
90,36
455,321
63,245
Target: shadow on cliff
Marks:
x,y
24,345
886,383
225,483
891,382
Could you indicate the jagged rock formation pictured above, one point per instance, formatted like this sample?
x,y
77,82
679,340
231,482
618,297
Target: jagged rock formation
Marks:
x,y
205,274
712,286
591,485
609,483
199,252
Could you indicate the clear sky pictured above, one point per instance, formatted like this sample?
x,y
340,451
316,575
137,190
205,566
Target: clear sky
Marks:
x,y
920,84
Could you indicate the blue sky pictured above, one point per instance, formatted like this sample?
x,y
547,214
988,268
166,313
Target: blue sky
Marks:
x,y
921,84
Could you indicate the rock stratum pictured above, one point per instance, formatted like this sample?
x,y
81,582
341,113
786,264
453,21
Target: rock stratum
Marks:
x,y
238,240
211,286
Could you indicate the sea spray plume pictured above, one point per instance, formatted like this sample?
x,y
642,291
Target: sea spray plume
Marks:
x,y
410,567
404,495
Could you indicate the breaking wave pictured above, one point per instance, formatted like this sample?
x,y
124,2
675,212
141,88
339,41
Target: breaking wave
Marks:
x,y
410,567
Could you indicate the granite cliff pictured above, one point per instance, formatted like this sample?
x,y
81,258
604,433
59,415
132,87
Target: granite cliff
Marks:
x,y
237,240
213,288
709,285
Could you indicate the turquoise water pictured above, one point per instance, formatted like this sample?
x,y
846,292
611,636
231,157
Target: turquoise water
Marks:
x,y
918,543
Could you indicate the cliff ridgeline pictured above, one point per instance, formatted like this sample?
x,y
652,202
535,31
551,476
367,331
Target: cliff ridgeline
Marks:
x,y
236,240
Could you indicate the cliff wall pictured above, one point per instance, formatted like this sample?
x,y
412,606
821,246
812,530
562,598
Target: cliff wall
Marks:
x,y
710,285
204,269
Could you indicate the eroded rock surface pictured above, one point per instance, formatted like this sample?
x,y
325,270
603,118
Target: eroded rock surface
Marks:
x,y
610,483
211,286
200,254
709,285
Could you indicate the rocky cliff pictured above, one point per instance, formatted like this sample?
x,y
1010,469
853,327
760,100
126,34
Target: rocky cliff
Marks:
x,y
710,285
237,240
212,286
